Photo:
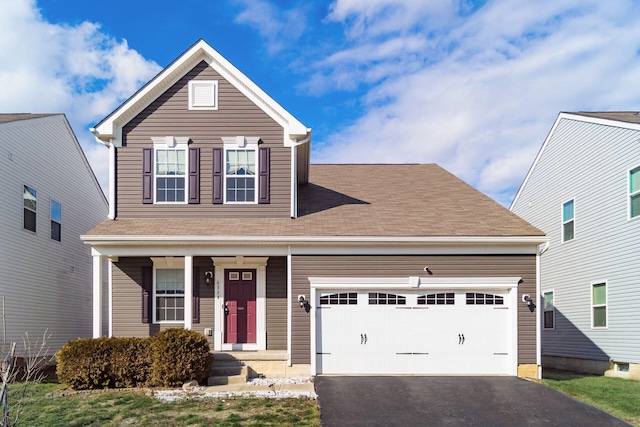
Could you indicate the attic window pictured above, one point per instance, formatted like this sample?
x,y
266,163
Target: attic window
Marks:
x,y
203,95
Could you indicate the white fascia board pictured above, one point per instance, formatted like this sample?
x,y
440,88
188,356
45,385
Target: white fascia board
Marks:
x,y
110,129
188,240
427,282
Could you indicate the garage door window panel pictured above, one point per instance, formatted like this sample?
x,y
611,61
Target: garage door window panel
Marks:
x,y
474,298
442,298
378,298
345,298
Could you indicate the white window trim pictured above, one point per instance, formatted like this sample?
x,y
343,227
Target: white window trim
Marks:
x,y
240,143
630,194
553,309
605,305
171,143
52,220
214,86
162,263
24,207
563,222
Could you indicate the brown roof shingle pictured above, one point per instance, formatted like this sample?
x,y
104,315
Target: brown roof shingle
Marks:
x,y
364,200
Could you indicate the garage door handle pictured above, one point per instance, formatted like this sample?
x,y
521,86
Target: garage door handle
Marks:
x,y
460,338
363,339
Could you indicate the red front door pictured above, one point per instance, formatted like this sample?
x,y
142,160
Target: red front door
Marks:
x,y
240,306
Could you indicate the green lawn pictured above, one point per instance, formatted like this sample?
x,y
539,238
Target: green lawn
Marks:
x,y
135,408
617,396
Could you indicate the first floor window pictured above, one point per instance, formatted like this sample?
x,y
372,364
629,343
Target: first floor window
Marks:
x,y
599,304
169,295
634,192
29,204
56,220
549,311
170,175
568,223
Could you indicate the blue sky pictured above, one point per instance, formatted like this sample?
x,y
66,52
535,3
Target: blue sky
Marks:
x,y
472,86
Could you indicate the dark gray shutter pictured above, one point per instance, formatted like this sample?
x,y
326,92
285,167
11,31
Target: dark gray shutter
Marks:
x,y
194,175
147,294
264,166
217,176
147,175
196,295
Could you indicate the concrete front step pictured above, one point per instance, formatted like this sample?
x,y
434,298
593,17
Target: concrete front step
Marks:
x,y
228,375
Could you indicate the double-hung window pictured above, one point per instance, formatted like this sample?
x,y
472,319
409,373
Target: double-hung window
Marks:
x,y
29,210
169,295
55,214
634,192
170,169
240,165
549,311
568,221
599,304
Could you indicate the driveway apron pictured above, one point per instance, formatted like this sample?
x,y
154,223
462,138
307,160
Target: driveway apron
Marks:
x,y
449,401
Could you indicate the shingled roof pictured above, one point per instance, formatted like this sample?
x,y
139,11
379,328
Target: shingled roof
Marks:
x,y
360,201
14,117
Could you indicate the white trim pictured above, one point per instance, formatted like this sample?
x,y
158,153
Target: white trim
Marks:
x,y
112,181
188,292
97,296
169,262
509,284
605,305
240,262
212,85
110,286
538,326
289,310
294,182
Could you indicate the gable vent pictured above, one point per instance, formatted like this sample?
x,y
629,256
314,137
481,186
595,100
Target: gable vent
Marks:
x,y
203,95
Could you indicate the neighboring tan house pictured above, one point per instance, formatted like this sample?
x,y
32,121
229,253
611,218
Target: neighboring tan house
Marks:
x,y
583,190
220,225
50,197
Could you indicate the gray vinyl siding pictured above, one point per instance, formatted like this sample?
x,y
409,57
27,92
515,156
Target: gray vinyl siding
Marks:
x,y
277,303
588,163
46,284
169,115
523,266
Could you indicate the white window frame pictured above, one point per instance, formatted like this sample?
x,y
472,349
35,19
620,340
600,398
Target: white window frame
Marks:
x,y
24,186
605,305
240,143
168,263
630,195
203,84
169,143
573,219
52,220
545,310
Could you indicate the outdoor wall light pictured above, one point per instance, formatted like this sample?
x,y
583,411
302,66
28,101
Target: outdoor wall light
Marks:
x,y
302,300
429,272
526,298
208,278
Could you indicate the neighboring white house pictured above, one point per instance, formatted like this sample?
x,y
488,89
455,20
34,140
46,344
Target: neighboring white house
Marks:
x,y
583,191
50,197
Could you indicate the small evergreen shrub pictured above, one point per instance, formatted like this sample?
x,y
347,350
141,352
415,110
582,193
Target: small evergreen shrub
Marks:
x,y
179,355
168,359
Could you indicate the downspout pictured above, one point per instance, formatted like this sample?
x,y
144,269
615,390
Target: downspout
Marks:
x,y
289,312
294,172
542,249
112,174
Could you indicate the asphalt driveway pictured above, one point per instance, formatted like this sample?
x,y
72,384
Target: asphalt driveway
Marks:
x,y
450,401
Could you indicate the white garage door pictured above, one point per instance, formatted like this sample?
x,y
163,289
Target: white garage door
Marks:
x,y
413,332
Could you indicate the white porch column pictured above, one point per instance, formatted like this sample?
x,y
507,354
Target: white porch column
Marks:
x,y
97,296
188,291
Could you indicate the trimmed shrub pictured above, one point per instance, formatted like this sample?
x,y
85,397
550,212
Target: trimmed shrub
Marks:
x,y
168,359
179,355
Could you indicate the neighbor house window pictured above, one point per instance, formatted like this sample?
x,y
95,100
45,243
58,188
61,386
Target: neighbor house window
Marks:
x,y
568,222
203,95
29,208
634,192
55,213
169,294
549,311
599,304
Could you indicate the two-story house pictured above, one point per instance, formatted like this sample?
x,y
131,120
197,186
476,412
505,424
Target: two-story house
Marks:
x,y
50,197
219,224
583,191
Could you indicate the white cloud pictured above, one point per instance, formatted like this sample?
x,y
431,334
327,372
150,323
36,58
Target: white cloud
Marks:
x,y
74,69
480,95
280,28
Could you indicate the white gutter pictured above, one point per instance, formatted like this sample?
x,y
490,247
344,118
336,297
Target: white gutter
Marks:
x,y
112,175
